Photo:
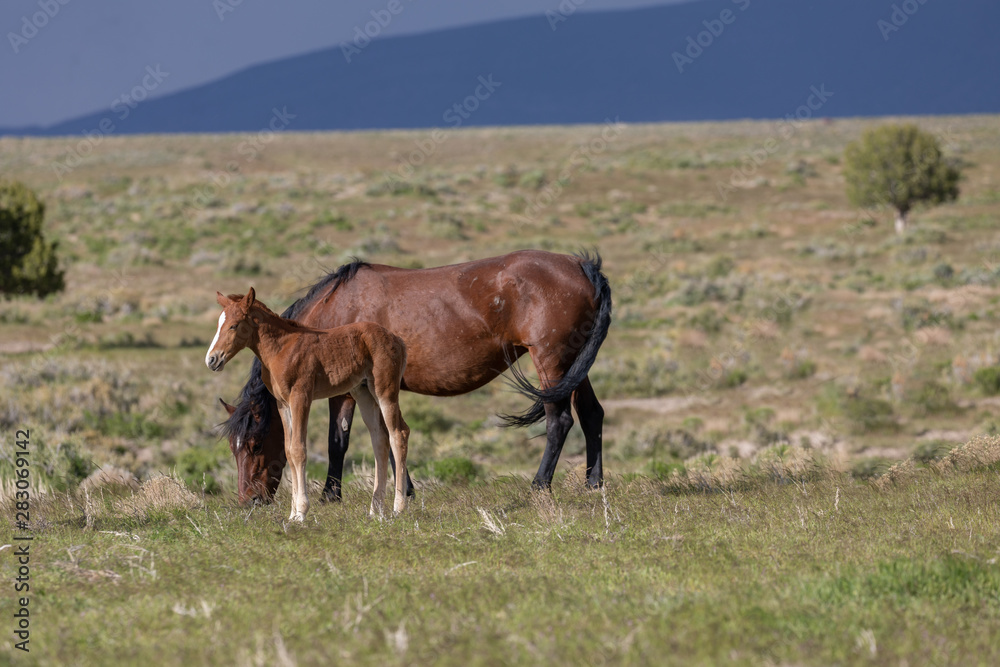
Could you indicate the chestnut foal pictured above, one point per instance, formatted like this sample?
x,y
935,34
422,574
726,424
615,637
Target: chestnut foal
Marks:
x,y
301,364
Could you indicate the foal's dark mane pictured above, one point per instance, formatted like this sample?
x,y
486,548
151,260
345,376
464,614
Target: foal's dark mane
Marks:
x,y
255,407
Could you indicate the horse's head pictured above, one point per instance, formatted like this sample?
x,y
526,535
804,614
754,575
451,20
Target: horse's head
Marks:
x,y
258,445
235,328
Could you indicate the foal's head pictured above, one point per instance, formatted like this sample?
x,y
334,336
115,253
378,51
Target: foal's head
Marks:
x,y
235,328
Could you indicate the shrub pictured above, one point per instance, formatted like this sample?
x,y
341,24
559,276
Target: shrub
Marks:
x,y
802,369
988,379
943,273
868,414
124,425
720,266
734,378
28,263
425,418
534,179
869,468
397,188
53,468
662,470
452,470
921,314
507,178
931,450
693,424
199,466
933,398
708,320
698,291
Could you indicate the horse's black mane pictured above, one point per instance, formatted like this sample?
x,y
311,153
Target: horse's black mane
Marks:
x,y
255,408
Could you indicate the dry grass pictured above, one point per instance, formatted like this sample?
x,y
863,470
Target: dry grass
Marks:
x,y
111,478
160,493
898,473
980,452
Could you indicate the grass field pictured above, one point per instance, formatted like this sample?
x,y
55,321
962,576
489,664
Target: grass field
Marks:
x,y
774,352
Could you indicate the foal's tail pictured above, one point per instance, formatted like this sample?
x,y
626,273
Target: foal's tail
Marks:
x,y
585,357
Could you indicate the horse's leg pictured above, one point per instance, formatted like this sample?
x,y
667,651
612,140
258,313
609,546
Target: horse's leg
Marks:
x,y
295,416
399,435
558,422
558,416
380,445
591,415
341,417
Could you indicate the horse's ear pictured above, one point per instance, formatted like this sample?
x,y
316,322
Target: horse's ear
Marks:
x,y
229,408
222,299
251,297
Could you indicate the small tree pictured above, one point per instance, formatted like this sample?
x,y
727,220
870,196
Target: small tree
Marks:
x,y
28,264
899,165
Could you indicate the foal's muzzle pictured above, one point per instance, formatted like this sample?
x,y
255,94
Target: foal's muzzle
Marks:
x,y
216,361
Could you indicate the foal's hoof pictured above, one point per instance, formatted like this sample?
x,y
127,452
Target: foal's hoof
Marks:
x,y
297,516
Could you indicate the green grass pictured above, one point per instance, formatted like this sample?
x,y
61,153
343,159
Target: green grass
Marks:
x,y
824,572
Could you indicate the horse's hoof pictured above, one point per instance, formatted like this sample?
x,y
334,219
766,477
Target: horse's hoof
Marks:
x,y
541,485
329,497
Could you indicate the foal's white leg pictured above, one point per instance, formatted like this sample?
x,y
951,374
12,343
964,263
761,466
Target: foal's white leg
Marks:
x,y
295,417
399,435
380,445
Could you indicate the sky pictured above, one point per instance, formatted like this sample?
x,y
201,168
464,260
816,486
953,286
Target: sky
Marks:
x,y
63,58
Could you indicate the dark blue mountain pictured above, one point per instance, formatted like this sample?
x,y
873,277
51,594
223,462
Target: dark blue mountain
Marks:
x,y
756,59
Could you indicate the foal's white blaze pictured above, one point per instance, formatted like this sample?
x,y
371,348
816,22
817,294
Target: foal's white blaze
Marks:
x,y
222,320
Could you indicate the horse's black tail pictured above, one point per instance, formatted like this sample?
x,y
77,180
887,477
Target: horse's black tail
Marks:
x,y
585,357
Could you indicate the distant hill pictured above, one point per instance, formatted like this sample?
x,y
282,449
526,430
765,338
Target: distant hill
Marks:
x,y
755,59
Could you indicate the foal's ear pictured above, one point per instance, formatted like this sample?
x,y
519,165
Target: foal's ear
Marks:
x,y
222,299
251,297
229,408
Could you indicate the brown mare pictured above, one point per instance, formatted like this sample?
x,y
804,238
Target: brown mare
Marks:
x,y
463,325
300,364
